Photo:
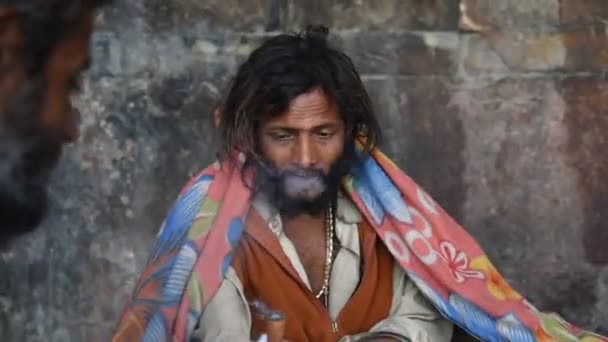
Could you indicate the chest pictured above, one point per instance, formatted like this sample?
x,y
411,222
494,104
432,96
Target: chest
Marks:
x,y
267,275
312,254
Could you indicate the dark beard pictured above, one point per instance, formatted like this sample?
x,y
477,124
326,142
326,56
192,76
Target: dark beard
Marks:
x,y
27,157
286,190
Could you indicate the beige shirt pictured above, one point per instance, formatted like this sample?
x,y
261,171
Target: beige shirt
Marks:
x,y
412,317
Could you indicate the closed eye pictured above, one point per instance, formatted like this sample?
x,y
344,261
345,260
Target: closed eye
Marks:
x,y
326,133
281,136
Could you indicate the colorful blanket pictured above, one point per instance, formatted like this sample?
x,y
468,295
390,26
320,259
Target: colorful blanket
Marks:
x,y
194,247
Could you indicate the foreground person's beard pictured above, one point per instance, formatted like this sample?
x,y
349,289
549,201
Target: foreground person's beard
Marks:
x,y
27,158
297,191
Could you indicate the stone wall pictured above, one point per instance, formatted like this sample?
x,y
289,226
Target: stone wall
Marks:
x,y
498,107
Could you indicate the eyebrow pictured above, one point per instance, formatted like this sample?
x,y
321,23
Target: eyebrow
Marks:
x,y
292,129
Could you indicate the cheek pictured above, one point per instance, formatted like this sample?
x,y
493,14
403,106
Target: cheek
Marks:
x,y
276,153
331,152
56,104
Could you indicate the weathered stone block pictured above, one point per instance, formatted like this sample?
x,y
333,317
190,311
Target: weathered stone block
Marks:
x,y
597,50
523,198
529,52
425,53
587,50
581,12
500,53
209,15
585,117
479,15
477,57
504,53
380,15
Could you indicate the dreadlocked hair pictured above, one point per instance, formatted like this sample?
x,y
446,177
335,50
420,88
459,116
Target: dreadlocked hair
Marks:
x,y
282,68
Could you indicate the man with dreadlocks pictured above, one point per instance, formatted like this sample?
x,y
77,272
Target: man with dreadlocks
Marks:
x,y
304,215
44,47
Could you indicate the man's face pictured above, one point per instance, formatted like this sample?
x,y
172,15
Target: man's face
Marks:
x,y
36,118
303,152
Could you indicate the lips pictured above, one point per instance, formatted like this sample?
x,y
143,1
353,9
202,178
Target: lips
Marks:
x,y
303,186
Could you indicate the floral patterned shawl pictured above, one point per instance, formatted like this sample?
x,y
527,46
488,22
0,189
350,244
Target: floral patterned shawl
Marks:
x,y
194,247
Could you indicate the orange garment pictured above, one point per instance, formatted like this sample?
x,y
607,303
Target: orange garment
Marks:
x,y
267,274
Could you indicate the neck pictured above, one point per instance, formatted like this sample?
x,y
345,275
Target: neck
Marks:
x,y
304,224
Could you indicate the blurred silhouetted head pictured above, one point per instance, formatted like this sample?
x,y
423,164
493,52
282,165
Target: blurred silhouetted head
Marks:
x,y
44,47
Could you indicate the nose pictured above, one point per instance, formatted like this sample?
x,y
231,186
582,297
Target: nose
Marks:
x,y
306,152
59,117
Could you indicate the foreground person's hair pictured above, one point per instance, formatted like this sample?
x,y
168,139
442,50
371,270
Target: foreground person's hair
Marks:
x,y
44,23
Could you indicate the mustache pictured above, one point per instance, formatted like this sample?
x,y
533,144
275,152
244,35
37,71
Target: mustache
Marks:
x,y
300,181
299,172
296,190
295,179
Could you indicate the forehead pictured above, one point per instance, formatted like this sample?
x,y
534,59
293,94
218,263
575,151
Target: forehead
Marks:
x,y
308,110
